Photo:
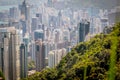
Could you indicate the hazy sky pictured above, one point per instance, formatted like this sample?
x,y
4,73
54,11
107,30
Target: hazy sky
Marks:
x,y
74,3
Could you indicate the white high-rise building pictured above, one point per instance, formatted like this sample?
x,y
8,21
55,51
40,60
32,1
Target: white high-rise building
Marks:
x,y
55,56
9,53
51,60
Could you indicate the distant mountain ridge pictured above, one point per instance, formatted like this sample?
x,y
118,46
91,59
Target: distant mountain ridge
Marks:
x,y
105,4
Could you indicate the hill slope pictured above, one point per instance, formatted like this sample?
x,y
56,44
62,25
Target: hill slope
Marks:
x,y
98,59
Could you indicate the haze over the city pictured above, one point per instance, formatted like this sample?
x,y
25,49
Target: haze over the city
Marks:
x,y
72,3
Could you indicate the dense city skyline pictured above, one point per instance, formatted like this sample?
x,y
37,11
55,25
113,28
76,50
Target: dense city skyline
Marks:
x,y
36,35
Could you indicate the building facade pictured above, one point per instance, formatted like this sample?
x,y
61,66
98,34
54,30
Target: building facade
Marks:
x,y
40,55
83,30
23,61
9,53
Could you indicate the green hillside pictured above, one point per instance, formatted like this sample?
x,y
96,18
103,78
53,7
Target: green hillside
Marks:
x,y
1,75
97,59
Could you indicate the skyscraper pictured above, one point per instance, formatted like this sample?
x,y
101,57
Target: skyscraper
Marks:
x,y
39,34
114,15
14,13
33,50
25,10
51,59
23,61
34,24
83,30
59,19
50,3
9,53
39,16
55,56
104,23
40,55
25,15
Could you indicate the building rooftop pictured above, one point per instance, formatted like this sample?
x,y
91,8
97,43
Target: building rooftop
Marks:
x,y
40,30
8,29
3,22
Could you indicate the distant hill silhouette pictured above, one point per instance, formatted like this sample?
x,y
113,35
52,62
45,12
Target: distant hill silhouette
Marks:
x,y
105,4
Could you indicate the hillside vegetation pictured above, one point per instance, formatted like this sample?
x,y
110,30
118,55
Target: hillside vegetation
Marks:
x,y
97,59
1,75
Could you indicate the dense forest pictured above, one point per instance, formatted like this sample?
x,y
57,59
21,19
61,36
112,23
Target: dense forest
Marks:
x,y
97,59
